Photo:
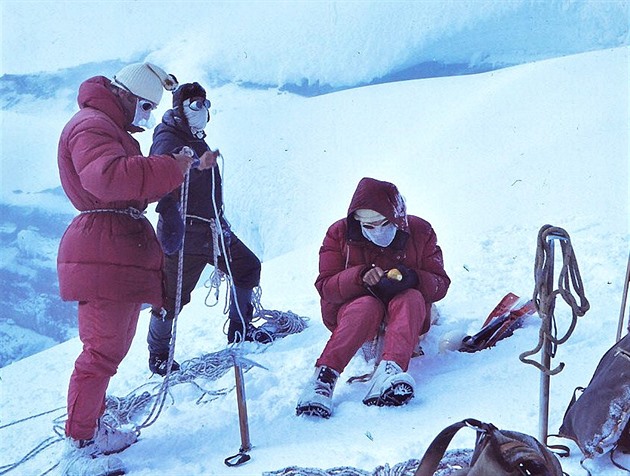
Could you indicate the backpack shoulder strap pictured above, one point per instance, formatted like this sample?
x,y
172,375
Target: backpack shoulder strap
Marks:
x,y
438,446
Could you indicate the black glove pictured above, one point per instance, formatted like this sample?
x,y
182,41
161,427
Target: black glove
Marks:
x,y
387,288
170,229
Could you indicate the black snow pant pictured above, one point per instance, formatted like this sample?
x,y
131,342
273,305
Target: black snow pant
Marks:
x,y
244,266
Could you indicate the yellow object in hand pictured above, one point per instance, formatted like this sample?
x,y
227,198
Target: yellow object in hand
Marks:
x,y
394,274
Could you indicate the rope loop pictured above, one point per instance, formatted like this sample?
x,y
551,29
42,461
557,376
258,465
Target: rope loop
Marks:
x,y
545,295
129,211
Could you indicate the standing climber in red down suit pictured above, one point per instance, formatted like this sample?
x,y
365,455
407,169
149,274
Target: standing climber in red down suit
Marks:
x,y
376,266
109,258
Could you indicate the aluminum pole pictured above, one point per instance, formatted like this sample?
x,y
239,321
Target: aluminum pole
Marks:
x,y
623,302
545,358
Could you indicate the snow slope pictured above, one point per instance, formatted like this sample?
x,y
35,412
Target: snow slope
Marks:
x,y
307,48
487,159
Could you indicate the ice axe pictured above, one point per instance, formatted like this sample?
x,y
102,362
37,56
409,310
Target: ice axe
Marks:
x,y
242,456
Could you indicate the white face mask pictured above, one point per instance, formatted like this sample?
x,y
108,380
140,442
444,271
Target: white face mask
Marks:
x,y
197,119
143,117
381,235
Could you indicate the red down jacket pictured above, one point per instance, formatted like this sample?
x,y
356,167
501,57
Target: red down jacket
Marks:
x,y
107,255
346,255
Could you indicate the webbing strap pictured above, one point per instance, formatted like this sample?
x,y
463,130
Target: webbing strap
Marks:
x,y
437,448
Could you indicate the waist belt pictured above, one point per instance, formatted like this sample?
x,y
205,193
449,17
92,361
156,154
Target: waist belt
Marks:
x,y
197,220
129,211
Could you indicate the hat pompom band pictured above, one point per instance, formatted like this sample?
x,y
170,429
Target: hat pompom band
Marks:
x,y
170,83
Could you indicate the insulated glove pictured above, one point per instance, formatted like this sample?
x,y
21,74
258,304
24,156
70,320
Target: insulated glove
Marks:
x,y
388,287
170,229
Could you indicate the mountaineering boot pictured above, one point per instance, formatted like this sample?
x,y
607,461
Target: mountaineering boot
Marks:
x,y
252,333
158,364
108,439
316,400
390,386
82,458
241,314
262,334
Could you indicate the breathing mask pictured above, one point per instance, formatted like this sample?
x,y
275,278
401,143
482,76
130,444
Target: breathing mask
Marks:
x,y
143,116
382,235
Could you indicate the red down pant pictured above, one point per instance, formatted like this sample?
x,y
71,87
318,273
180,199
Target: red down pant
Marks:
x,y
358,321
106,329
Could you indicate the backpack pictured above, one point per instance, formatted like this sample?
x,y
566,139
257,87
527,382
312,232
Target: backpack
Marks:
x,y
497,453
598,420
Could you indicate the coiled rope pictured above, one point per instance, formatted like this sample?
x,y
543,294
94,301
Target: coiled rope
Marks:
x,y
545,296
209,367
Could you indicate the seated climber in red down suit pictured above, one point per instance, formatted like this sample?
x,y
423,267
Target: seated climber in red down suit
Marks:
x,y
376,266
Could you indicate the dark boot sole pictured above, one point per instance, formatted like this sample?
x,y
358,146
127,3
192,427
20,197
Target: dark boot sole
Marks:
x,y
313,411
392,397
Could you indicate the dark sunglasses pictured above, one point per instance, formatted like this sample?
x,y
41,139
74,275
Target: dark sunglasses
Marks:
x,y
199,104
371,226
146,105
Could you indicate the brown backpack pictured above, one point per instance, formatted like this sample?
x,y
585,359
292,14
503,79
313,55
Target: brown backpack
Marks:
x,y
599,420
497,453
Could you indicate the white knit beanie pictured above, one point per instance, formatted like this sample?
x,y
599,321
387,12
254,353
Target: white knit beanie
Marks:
x,y
365,215
145,80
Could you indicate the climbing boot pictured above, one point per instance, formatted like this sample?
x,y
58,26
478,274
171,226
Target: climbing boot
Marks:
x,y
109,439
390,386
158,364
82,458
252,333
316,400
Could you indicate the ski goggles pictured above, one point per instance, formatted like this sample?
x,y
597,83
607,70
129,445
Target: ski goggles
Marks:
x,y
146,105
199,104
376,224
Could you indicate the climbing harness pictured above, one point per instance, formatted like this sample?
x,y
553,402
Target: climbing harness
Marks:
x,y
544,299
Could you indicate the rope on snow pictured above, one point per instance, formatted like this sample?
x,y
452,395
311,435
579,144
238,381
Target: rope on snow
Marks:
x,y
210,367
51,440
126,410
452,462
